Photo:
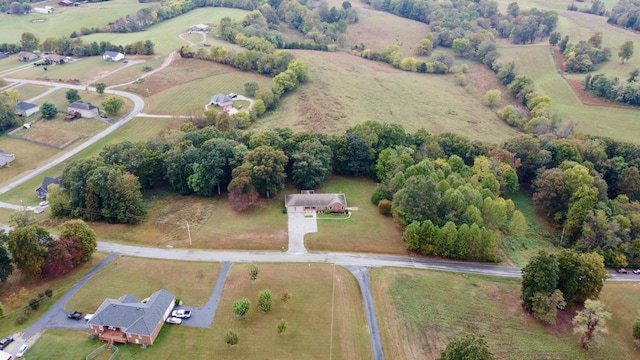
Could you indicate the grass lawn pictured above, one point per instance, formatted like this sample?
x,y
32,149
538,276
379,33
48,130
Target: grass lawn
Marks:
x,y
79,71
345,90
308,335
66,20
28,157
28,91
213,224
139,129
421,311
59,132
134,71
13,303
190,281
539,236
165,34
365,231
191,82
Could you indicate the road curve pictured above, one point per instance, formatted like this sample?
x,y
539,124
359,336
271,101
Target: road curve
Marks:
x,y
138,104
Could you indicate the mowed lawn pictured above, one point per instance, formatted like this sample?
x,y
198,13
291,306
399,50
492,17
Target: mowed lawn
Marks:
x,y
345,90
364,231
192,282
310,333
421,311
28,91
138,129
212,222
66,20
537,63
78,71
189,82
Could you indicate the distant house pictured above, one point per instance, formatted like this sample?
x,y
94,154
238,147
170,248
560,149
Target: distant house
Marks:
x,y
40,10
26,56
223,101
51,59
199,27
43,190
127,320
66,3
86,110
113,56
308,200
25,109
6,158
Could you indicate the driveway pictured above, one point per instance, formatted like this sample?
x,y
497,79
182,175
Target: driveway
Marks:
x,y
202,317
299,225
361,273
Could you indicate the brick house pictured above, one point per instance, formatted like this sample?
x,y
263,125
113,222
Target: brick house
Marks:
x,y
308,200
127,320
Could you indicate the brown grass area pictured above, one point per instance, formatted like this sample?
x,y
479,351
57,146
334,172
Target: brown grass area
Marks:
x,y
308,314
192,282
483,80
58,132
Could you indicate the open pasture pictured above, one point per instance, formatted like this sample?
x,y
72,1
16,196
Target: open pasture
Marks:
x,y
191,82
65,20
133,71
421,311
165,34
28,156
345,90
78,71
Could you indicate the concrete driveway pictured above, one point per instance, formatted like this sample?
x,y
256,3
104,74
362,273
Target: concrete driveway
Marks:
x,y
299,225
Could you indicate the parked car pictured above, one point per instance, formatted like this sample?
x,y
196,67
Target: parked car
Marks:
x,y
88,317
23,349
174,320
44,203
622,271
6,341
636,271
75,315
182,314
233,95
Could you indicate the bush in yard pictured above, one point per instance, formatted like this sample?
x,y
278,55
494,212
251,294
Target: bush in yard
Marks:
x,y
468,347
264,300
241,307
49,293
231,338
253,273
48,110
34,304
285,296
20,320
282,326
384,207
27,311
636,327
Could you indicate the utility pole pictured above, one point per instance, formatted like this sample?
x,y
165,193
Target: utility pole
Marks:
x,y
189,232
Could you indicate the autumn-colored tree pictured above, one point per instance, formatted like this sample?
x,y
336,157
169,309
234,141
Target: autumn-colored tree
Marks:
x,y
590,323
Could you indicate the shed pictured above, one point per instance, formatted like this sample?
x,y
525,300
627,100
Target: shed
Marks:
x,y
6,158
25,109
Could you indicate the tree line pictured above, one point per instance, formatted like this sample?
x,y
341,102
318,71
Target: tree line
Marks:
x,y
626,14
626,91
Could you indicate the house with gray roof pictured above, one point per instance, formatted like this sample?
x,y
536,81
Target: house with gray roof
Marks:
x,y
25,109
113,56
223,101
6,158
26,56
43,190
86,110
308,200
127,320
3,55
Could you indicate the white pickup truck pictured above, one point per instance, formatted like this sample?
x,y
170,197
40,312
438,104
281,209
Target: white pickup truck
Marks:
x,y
181,314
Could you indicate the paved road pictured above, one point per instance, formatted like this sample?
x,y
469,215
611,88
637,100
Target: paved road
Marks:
x,y
138,104
361,274
203,316
56,317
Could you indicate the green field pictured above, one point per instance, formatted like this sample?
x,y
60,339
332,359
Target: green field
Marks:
x,y
421,311
310,334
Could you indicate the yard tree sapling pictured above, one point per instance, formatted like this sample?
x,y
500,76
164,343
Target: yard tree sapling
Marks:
x,y
253,273
28,248
285,296
468,347
590,324
48,110
282,326
231,338
241,307
72,95
112,104
264,300
100,87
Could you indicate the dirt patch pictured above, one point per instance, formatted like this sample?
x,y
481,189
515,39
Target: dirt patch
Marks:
x,y
483,80
59,133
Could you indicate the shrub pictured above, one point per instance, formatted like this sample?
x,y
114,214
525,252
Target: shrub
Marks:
x,y
636,327
27,311
49,293
282,326
264,300
34,304
20,320
231,338
384,207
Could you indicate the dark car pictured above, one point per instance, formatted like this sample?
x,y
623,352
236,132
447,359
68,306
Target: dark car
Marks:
x,y
75,315
622,271
6,341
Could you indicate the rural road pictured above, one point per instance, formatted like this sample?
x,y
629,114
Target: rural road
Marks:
x,y
138,104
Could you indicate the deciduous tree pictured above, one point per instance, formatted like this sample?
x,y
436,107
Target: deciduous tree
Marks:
x,y
626,51
112,104
267,169
72,95
100,87
79,229
28,248
590,323
6,267
468,347
539,276
242,194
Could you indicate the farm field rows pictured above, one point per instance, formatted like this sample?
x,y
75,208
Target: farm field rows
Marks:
x,y
420,320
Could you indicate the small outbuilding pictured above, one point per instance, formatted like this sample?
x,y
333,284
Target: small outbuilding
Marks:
x,y
113,56
26,56
43,190
65,3
308,200
86,110
6,158
199,27
25,109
